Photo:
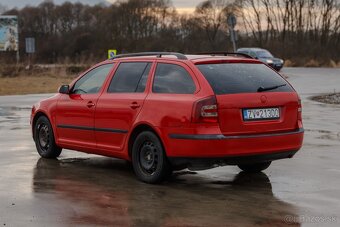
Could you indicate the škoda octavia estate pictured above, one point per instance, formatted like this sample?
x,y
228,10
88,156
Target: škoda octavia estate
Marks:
x,y
168,111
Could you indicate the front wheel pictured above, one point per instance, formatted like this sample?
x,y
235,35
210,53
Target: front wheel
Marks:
x,y
255,167
44,139
149,161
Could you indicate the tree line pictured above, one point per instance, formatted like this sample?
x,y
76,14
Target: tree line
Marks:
x,y
292,29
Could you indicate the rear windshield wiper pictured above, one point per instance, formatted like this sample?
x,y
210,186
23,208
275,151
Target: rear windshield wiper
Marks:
x,y
261,89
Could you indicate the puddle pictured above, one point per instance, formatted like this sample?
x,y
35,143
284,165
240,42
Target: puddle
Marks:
x,y
73,160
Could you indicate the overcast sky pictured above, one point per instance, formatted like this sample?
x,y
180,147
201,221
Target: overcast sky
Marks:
x,y
21,3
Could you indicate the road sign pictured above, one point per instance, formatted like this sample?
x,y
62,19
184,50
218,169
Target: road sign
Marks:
x,y
30,45
232,21
111,53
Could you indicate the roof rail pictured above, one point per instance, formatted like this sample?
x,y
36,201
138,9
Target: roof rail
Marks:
x,y
225,54
157,54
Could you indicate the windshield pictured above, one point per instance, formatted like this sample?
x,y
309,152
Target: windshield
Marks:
x,y
233,78
263,54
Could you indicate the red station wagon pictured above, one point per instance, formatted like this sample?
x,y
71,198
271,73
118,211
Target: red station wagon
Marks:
x,y
168,111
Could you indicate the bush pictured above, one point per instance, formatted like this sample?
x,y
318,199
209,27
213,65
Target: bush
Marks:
x,y
289,63
10,70
334,64
312,63
75,69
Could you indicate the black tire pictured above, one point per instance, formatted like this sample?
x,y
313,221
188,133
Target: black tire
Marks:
x,y
44,139
255,167
149,160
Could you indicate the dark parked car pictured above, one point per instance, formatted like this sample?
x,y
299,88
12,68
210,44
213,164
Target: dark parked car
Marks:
x,y
263,55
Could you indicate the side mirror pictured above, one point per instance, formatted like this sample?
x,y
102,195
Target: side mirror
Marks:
x,y
64,89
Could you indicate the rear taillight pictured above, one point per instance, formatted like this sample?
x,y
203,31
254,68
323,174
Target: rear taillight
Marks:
x,y
299,117
299,110
205,110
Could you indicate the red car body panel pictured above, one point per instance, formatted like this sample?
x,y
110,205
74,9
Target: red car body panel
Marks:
x,y
106,121
230,105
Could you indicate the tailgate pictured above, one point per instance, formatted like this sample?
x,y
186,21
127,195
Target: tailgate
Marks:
x,y
232,106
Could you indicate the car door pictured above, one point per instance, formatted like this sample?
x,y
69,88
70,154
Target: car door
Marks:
x,y
120,104
75,111
173,89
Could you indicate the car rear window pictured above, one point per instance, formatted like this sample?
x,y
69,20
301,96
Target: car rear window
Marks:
x,y
233,78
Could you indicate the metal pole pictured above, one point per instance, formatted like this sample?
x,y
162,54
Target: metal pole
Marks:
x,y
234,40
18,57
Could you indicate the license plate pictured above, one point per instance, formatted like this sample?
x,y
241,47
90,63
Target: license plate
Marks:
x,y
261,114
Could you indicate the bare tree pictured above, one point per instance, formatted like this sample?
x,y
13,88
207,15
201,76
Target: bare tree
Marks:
x,y
297,29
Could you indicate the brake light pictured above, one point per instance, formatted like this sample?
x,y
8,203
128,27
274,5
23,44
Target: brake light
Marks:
x,y
205,110
299,112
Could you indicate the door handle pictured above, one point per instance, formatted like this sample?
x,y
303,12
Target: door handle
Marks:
x,y
134,105
90,104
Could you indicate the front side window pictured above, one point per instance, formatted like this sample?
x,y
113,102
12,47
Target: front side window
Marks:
x,y
173,79
92,82
130,77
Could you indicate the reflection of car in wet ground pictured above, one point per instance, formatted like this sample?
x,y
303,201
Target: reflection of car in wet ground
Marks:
x,y
103,192
168,113
263,55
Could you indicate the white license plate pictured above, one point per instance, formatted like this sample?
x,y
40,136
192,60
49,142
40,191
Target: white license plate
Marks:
x,y
261,114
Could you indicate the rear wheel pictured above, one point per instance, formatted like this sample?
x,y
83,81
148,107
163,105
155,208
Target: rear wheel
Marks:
x,y
149,161
255,167
44,139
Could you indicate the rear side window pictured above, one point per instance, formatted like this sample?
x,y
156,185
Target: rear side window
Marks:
x,y
233,78
173,79
130,77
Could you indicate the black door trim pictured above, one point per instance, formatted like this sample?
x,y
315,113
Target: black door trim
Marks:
x,y
112,130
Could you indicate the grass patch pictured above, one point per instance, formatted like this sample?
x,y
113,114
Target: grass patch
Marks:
x,y
31,84
17,80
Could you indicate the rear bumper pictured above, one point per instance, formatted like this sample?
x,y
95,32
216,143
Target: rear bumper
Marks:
x,y
223,137
220,146
204,163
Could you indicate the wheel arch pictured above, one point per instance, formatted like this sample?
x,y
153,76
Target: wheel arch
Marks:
x,y
37,115
142,127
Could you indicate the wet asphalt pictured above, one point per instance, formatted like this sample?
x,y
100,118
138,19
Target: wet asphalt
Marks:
x,y
89,190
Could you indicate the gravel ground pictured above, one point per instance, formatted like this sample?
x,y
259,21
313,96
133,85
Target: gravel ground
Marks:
x,y
333,98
